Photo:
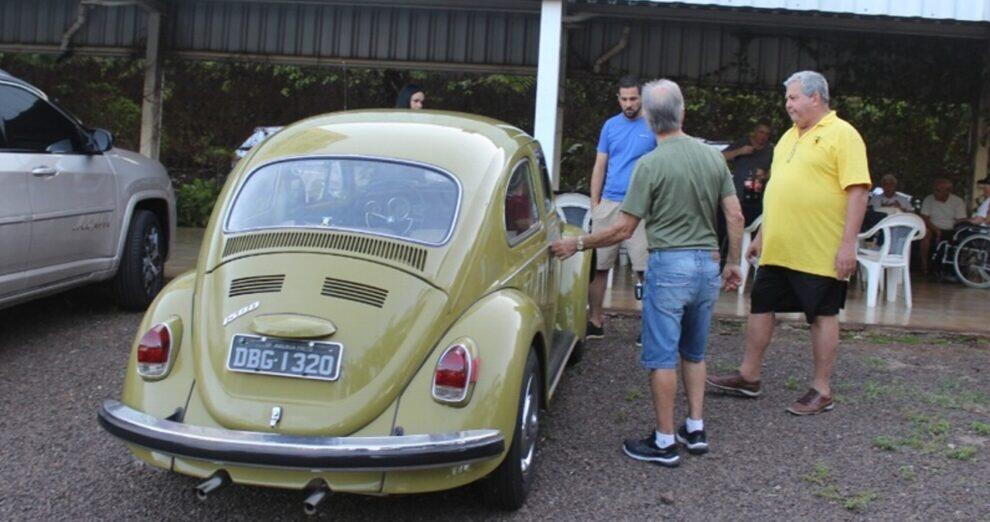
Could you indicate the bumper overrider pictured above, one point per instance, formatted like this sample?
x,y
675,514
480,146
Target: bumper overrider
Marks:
x,y
274,450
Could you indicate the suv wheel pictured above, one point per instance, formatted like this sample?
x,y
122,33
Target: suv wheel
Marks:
x,y
141,273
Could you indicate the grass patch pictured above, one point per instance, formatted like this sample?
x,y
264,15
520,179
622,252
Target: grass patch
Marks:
x,y
895,338
907,473
792,383
722,367
886,443
821,476
962,453
873,390
980,427
633,395
621,417
876,363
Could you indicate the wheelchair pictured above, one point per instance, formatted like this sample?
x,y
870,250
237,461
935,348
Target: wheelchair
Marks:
x,y
965,256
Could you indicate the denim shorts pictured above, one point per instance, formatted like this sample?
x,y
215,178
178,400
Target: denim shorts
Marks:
x,y
679,297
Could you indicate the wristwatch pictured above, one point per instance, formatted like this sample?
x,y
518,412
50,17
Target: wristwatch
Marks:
x,y
580,243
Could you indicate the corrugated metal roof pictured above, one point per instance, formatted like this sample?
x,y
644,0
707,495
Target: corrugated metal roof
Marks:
x,y
955,10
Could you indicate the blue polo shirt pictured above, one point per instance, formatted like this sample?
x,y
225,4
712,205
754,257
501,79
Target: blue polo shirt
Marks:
x,y
624,141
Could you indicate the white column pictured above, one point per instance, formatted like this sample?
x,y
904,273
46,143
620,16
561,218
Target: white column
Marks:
x,y
549,77
151,103
981,141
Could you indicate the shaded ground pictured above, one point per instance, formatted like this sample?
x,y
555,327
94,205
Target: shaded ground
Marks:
x,y
909,439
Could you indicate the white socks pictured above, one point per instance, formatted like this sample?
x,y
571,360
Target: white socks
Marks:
x,y
663,440
695,425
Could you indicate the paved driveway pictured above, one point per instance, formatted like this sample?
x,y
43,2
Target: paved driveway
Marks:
x,y
908,440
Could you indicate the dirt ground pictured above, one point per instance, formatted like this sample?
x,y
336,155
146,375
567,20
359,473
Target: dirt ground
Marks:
x,y
909,438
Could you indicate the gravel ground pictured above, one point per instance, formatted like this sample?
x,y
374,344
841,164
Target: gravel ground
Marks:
x,y
909,438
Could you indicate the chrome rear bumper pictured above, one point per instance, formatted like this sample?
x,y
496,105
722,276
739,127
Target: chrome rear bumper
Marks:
x,y
274,450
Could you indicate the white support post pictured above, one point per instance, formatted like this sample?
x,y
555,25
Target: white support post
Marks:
x,y
549,78
981,141
151,103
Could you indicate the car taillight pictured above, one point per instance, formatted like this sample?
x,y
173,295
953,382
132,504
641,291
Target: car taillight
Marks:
x,y
456,372
153,351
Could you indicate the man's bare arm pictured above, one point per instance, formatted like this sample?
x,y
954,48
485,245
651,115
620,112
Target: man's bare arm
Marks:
x,y
845,259
735,222
598,178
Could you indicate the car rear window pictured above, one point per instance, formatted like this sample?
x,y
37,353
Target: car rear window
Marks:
x,y
382,197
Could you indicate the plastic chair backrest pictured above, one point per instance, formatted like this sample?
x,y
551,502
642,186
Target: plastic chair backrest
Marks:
x,y
754,226
899,230
575,209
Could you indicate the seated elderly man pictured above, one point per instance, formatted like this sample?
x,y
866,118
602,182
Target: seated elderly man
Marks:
x,y
890,200
981,217
941,211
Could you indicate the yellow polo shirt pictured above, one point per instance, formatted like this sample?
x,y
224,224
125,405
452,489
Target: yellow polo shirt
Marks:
x,y
804,207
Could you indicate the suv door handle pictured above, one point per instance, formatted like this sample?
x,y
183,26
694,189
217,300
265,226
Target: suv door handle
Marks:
x,y
44,172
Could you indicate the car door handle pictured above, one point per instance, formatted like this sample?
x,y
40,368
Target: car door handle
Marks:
x,y
44,172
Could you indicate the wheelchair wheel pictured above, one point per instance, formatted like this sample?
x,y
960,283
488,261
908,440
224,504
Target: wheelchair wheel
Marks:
x,y
972,261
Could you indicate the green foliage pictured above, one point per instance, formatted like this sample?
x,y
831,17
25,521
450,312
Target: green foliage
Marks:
x,y
963,453
885,443
980,427
194,202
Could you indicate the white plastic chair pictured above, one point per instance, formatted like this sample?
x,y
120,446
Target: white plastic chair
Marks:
x,y
893,257
575,209
748,234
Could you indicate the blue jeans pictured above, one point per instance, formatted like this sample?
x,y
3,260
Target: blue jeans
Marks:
x,y
679,297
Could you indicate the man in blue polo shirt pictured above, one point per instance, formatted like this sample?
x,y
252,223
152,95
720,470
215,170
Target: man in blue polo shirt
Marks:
x,y
624,139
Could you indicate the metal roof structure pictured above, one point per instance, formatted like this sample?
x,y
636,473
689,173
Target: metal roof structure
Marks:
x,y
749,43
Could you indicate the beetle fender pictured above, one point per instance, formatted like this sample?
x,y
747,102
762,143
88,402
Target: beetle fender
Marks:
x,y
502,326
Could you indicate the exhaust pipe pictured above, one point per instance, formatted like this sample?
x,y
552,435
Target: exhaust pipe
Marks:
x,y
215,482
315,496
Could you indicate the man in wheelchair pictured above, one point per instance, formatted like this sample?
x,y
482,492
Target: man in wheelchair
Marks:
x,y
965,255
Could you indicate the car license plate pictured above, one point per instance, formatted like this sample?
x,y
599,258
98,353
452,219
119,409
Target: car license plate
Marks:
x,y
285,357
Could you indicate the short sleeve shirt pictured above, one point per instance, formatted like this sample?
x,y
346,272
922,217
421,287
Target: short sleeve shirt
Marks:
x,y
625,141
944,214
744,166
983,209
676,190
804,207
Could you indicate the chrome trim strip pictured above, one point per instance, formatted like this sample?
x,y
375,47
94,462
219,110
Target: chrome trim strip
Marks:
x,y
72,213
272,450
560,371
385,159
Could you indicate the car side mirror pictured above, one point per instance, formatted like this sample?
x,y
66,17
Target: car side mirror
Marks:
x,y
100,140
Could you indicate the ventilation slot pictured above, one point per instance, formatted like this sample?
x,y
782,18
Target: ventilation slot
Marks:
x,y
352,291
256,285
390,250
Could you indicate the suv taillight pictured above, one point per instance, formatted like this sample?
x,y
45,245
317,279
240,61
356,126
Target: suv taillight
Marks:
x,y
456,372
154,350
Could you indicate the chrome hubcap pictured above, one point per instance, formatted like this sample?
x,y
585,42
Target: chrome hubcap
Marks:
x,y
529,426
151,262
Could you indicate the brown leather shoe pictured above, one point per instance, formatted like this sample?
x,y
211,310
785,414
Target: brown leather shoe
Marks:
x,y
734,382
811,403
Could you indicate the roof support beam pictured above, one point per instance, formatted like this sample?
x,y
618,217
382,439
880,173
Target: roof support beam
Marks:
x,y
547,123
151,99
981,139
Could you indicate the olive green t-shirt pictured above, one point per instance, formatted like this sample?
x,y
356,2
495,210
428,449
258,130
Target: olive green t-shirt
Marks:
x,y
676,190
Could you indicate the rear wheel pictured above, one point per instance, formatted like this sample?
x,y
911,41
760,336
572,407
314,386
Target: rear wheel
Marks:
x,y
972,261
507,487
141,273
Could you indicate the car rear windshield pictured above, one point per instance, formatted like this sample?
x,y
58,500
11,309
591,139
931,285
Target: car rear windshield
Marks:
x,y
383,197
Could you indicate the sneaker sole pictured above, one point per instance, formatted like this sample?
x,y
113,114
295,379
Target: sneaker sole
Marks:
x,y
740,391
830,407
695,449
669,463
594,336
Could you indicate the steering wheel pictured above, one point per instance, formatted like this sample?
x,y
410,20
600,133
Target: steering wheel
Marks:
x,y
394,215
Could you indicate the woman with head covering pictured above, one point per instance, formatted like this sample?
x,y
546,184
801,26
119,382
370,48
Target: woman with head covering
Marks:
x,y
410,97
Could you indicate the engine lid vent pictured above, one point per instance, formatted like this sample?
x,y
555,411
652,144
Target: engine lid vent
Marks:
x,y
256,285
410,255
352,291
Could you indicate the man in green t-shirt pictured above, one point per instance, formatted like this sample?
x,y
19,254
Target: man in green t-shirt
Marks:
x,y
675,191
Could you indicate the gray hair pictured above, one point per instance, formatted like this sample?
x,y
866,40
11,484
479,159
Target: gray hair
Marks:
x,y
663,105
811,82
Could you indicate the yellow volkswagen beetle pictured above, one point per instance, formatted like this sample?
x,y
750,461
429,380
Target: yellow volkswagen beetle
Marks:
x,y
375,310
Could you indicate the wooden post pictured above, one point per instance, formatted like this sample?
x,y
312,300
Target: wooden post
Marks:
x,y
549,78
151,103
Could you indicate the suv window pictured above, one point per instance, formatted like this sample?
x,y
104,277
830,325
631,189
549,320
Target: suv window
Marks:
x,y
520,205
31,124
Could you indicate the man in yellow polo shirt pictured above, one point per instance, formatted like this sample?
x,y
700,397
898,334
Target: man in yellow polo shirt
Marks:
x,y
812,210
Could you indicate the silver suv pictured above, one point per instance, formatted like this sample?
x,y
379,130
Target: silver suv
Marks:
x,y
74,209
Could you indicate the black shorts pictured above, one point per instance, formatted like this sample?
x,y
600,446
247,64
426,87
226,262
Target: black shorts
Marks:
x,y
779,289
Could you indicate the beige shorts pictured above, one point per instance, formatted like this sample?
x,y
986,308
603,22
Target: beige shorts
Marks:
x,y
602,217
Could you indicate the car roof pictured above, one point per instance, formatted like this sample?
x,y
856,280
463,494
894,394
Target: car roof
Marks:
x,y
9,78
463,144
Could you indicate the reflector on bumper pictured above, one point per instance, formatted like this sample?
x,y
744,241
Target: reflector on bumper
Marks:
x,y
294,452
